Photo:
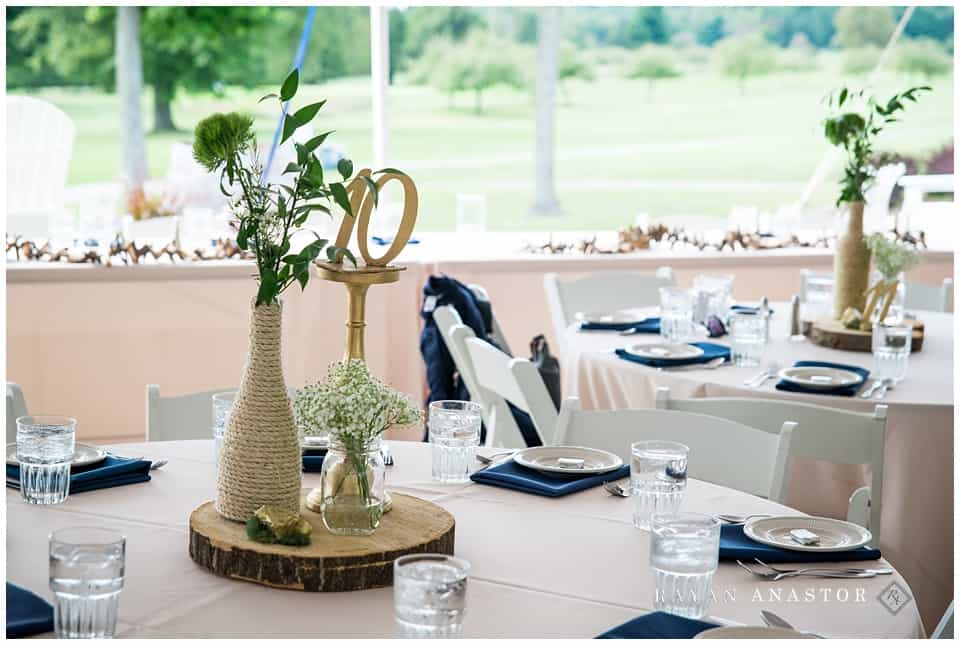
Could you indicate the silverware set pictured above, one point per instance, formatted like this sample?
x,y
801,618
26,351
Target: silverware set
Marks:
x,y
489,460
154,465
766,571
768,373
709,365
879,388
386,454
738,519
617,489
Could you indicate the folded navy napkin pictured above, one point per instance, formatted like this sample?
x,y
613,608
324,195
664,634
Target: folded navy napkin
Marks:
x,y
735,545
848,390
710,352
646,326
313,462
27,613
658,624
516,477
385,241
112,471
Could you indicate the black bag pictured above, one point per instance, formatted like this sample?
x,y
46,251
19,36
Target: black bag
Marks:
x,y
548,366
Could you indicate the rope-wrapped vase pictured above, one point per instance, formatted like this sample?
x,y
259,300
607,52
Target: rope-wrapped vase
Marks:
x,y
260,459
851,265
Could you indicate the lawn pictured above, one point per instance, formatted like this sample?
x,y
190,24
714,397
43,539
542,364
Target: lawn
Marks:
x,y
693,145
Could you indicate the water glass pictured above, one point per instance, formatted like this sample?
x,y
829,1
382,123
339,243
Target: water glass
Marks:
x,y
45,449
454,428
714,293
86,577
748,334
891,351
684,551
429,595
658,478
676,314
819,297
222,405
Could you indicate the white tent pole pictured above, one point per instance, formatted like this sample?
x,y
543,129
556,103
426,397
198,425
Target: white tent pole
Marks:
x,y
380,79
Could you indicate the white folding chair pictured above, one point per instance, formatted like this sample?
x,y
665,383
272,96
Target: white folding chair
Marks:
x,y
171,418
877,197
721,451
496,332
924,297
601,292
16,407
945,626
39,144
827,434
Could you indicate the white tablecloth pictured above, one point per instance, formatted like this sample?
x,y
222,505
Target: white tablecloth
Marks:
x,y
917,527
569,567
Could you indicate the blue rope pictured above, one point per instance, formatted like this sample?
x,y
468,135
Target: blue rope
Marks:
x,y
297,64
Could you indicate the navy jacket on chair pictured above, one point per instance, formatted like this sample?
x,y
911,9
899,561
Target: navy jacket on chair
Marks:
x,y
442,377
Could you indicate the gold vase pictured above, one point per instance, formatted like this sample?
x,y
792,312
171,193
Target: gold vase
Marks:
x,y
260,460
851,264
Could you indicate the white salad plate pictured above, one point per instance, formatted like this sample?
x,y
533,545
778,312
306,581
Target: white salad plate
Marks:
x,y
83,454
835,535
665,351
820,377
548,459
609,318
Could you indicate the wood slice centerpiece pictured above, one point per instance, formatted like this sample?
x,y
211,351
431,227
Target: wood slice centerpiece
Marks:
x,y
831,333
329,562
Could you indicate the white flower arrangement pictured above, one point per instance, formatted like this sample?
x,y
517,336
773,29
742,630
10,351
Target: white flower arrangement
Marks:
x,y
352,406
891,257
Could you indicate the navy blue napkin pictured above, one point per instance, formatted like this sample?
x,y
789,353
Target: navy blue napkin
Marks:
x,y
710,352
527,480
646,326
748,309
386,241
313,462
112,471
848,390
735,545
27,613
658,624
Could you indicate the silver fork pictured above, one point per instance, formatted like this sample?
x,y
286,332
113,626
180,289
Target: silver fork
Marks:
x,y
386,454
616,489
879,571
812,572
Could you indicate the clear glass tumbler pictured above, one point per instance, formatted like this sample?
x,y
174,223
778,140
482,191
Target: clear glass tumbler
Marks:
x,y
222,405
45,447
714,293
658,477
454,428
676,314
684,552
748,334
429,595
86,577
891,351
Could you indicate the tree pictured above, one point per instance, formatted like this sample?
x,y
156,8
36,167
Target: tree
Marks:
x,y
653,62
571,66
745,56
548,53
130,88
861,26
799,56
929,22
646,25
814,23
861,60
711,31
922,56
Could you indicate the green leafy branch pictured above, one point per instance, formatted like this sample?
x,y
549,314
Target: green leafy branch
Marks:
x,y
856,131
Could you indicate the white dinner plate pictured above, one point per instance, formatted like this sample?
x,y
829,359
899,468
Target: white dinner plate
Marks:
x,y
547,459
820,377
835,535
314,444
83,454
665,351
609,318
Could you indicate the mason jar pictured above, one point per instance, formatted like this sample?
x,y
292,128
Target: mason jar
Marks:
x,y
352,488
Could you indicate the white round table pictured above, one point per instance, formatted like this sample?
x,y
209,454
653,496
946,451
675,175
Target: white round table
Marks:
x,y
917,531
541,567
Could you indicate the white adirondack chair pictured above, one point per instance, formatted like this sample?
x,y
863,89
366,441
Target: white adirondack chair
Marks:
x,y
601,292
39,144
721,451
827,434
493,378
16,407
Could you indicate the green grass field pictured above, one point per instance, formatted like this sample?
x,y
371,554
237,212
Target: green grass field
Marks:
x,y
695,145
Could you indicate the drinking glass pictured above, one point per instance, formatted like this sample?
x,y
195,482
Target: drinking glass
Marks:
x,y
891,351
819,297
676,314
222,405
713,296
429,595
86,576
44,449
455,434
748,333
684,551
471,213
658,477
